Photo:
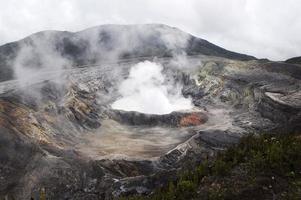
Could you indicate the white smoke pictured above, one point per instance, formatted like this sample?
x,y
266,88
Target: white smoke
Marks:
x,y
146,90
37,60
41,56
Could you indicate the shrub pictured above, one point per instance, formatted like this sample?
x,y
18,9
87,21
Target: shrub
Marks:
x,y
258,157
186,190
221,168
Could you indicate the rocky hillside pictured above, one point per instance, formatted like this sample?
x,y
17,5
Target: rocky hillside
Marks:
x,y
259,167
60,138
107,43
295,60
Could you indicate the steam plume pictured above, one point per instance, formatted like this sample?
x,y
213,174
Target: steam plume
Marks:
x,y
147,91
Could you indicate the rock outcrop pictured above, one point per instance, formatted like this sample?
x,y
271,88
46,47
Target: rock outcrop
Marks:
x,y
53,133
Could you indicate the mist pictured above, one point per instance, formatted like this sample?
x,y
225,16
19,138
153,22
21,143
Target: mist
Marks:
x,y
38,60
49,59
146,90
243,26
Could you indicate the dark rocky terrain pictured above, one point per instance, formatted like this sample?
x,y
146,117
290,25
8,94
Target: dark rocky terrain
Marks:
x,y
295,60
111,43
60,137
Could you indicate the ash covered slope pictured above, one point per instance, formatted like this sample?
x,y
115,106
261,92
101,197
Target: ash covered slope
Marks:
x,y
107,43
48,129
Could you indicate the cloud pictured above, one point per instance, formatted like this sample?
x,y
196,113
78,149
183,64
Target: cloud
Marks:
x,y
37,60
147,91
267,28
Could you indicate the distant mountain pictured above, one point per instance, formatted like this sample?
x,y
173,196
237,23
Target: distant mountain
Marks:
x,y
295,60
106,42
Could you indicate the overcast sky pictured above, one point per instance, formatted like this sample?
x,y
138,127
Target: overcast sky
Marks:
x,y
263,28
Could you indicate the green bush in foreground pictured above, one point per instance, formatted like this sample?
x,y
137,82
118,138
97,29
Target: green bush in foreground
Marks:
x,y
259,167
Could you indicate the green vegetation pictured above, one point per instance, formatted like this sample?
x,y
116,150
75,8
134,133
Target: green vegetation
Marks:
x,y
259,167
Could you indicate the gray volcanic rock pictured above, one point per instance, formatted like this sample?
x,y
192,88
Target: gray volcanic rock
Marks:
x,y
108,43
174,119
62,136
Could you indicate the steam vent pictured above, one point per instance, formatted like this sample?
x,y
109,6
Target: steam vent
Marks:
x,y
121,110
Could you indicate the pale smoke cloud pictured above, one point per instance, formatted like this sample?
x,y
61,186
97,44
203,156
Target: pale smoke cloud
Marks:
x,y
146,90
37,60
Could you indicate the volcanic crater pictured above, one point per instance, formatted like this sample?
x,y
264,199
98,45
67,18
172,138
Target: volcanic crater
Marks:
x,y
60,133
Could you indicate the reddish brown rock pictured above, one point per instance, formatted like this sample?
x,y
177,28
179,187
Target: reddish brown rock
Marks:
x,y
193,119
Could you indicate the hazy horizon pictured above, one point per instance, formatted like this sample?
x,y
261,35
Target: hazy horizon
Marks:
x,y
265,29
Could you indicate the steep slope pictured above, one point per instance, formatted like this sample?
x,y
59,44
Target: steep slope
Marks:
x,y
67,134
60,137
107,43
295,60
